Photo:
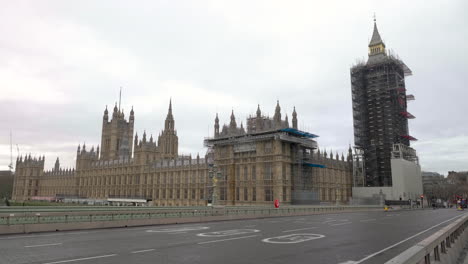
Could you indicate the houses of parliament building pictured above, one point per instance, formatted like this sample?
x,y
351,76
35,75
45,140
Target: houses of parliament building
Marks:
x,y
269,159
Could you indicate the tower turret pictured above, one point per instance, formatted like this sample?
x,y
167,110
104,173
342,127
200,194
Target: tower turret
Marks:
x,y
106,115
294,119
277,116
169,123
57,164
233,124
376,45
216,126
132,115
116,111
115,133
168,141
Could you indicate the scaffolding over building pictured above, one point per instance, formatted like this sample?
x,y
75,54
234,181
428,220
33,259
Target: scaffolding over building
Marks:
x,y
379,112
270,159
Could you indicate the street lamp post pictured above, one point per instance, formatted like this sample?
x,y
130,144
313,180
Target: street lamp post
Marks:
x,y
214,175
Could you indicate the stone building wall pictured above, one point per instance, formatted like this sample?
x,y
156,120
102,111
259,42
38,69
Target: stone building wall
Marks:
x,y
250,174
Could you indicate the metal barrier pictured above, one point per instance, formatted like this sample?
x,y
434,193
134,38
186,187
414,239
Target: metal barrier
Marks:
x,y
444,246
77,216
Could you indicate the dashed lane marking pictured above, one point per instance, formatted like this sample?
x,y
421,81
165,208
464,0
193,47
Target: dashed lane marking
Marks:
x,y
232,232
141,251
222,240
177,229
345,223
80,259
299,229
368,220
43,245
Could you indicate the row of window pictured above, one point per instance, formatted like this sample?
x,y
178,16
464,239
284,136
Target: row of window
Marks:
x,y
135,179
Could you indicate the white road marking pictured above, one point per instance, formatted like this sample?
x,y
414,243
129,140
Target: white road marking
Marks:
x,y
227,239
232,232
175,233
43,245
250,226
80,259
345,223
141,251
299,229
292,238
368,220
178,229
402,241
329,221
47,235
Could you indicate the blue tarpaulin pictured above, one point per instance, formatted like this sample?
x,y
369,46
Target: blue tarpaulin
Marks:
x,y
299,132
314,165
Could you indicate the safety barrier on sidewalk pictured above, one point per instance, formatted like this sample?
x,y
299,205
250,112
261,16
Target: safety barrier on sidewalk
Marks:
x,y
93,216
444,246
52,221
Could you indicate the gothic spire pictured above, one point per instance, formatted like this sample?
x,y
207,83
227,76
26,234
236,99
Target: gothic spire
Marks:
x,y
376,39
169,113
132,114
278,108
233,120
106,114
169,123
294,119
216,126
57,164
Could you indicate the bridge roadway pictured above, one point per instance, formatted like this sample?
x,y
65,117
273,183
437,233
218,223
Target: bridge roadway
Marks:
x,y
360,237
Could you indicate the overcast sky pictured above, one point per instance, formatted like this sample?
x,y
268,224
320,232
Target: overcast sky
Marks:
x,y
62,62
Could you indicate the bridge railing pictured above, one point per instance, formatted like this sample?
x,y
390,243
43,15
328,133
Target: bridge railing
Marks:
x,y
77,216
444,246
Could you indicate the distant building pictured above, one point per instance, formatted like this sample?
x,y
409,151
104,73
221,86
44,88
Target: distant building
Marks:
x,y
460,177
6,184
266,161
434,184
380,113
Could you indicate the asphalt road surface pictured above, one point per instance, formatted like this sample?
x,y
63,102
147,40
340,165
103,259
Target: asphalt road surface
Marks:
x,y
361,237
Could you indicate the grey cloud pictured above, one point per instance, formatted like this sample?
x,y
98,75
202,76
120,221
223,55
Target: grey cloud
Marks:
x,y
237,59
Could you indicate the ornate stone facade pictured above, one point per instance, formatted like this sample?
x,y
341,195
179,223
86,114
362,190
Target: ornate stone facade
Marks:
x,y
266,161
